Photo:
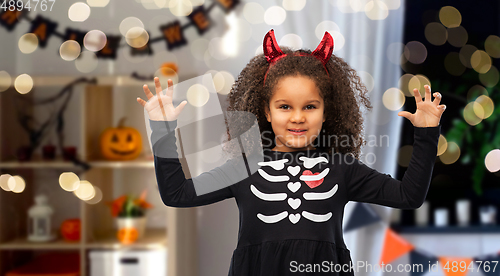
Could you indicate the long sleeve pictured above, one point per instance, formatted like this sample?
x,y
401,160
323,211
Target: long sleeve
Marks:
x,y
368,185
175,190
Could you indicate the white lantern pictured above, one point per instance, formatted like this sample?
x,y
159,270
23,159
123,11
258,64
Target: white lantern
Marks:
x,y
39,220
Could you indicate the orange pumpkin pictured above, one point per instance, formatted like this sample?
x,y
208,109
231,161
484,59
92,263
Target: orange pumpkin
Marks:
x,y
121,143
70,229
168,68
127,235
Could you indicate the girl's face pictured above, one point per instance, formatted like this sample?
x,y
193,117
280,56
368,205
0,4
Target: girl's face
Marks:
x,y
295,113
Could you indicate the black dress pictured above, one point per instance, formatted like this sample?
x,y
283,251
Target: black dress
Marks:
x,y
291,209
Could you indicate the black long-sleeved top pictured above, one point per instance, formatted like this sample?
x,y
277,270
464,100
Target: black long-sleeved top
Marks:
x,y
291,209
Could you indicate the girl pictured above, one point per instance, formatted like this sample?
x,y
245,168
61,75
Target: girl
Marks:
x,y
291,209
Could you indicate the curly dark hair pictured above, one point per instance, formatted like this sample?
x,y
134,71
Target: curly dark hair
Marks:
x,y
342,91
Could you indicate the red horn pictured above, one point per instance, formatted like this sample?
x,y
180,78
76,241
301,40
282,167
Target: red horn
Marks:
x,y
271,49
324,49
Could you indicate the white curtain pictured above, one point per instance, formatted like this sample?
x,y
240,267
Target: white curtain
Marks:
x,y
363,43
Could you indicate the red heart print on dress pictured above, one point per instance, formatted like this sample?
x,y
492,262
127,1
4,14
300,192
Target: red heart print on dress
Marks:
x,y
315,183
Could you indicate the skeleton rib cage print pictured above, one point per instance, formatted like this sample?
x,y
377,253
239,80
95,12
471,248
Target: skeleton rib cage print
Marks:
x,y
307,177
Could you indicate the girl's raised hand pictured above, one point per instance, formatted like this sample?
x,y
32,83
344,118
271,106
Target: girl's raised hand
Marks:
x,y
428,112
160,107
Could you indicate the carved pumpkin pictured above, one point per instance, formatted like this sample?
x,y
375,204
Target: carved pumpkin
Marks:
x,y
121,143
127,235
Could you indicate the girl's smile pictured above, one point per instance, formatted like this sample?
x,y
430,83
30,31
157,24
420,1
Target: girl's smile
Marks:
x,y
295,113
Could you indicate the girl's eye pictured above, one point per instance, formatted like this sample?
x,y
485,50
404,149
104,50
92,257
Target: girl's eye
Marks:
x,y
307,107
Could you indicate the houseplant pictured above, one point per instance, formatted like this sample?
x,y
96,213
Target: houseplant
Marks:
x,y
130,215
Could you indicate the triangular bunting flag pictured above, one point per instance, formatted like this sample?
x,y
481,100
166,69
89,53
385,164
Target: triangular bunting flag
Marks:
x,y
111,47
421,262
361,216
173,34
394,247
455,269
227,5
76,35
43,29
488,264
199,18
9,19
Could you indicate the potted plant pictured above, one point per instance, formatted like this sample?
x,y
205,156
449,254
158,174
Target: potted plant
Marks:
x,y
129,213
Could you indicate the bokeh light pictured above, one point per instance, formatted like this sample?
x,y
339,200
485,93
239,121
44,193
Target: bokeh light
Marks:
x,y
198,48
436,33
492,160
79,12
457,36
487,106
94,40
180,8
473,112
197,95
492,46
4,182
450,17
69,181
28,43
294,5
98,3
16,184
476,91
451,154
480,61
466,53
404,84
275,15
5,81
97,196
253,13
87,62
291,40
223,82
23,83
129,23
70,50
415,52
393,99
137,37
85,190
490,78
376,10
442,145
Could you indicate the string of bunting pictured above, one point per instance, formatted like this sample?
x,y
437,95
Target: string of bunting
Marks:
x,y
172,32
396,246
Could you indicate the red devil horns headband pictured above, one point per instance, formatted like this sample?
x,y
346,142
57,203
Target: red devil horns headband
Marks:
x,y
273,52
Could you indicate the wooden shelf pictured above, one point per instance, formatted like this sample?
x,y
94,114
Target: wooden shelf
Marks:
x,y
24,244
153,239
61,164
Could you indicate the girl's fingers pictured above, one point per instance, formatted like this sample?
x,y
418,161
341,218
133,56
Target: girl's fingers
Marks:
x,y
170,88
158,86
427,93
437,98
418,97
141,101
147,91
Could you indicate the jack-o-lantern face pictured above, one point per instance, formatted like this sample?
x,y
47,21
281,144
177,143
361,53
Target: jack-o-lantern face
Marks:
x,y
121,143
